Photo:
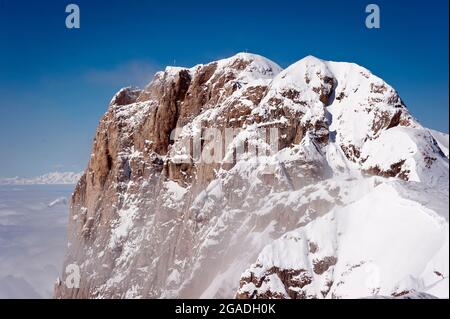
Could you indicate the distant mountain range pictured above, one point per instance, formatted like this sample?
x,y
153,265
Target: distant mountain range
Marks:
x,y
50,178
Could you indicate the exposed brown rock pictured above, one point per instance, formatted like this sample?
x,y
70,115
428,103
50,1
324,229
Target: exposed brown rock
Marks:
x,y
313,247
289,278
320,266
351,152
395,170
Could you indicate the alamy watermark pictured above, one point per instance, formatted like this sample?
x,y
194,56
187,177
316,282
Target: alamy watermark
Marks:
x,y
72,273
227,145
373,19
73,19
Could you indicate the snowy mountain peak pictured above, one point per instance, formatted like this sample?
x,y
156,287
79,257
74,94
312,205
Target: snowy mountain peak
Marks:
x,y
251,57
302,219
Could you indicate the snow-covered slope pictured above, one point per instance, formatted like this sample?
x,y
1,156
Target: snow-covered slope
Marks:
x,y
50,178
385,244
442,140
152,219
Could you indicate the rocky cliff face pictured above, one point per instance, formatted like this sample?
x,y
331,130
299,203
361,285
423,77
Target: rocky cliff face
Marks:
x,y
191,177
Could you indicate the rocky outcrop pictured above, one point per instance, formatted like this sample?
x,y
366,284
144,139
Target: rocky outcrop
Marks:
x,y
175,202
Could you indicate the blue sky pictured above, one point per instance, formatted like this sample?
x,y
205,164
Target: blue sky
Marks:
x,y
56,83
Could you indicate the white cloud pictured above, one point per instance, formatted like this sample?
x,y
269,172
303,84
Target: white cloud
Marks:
x,y
133,73
33,237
